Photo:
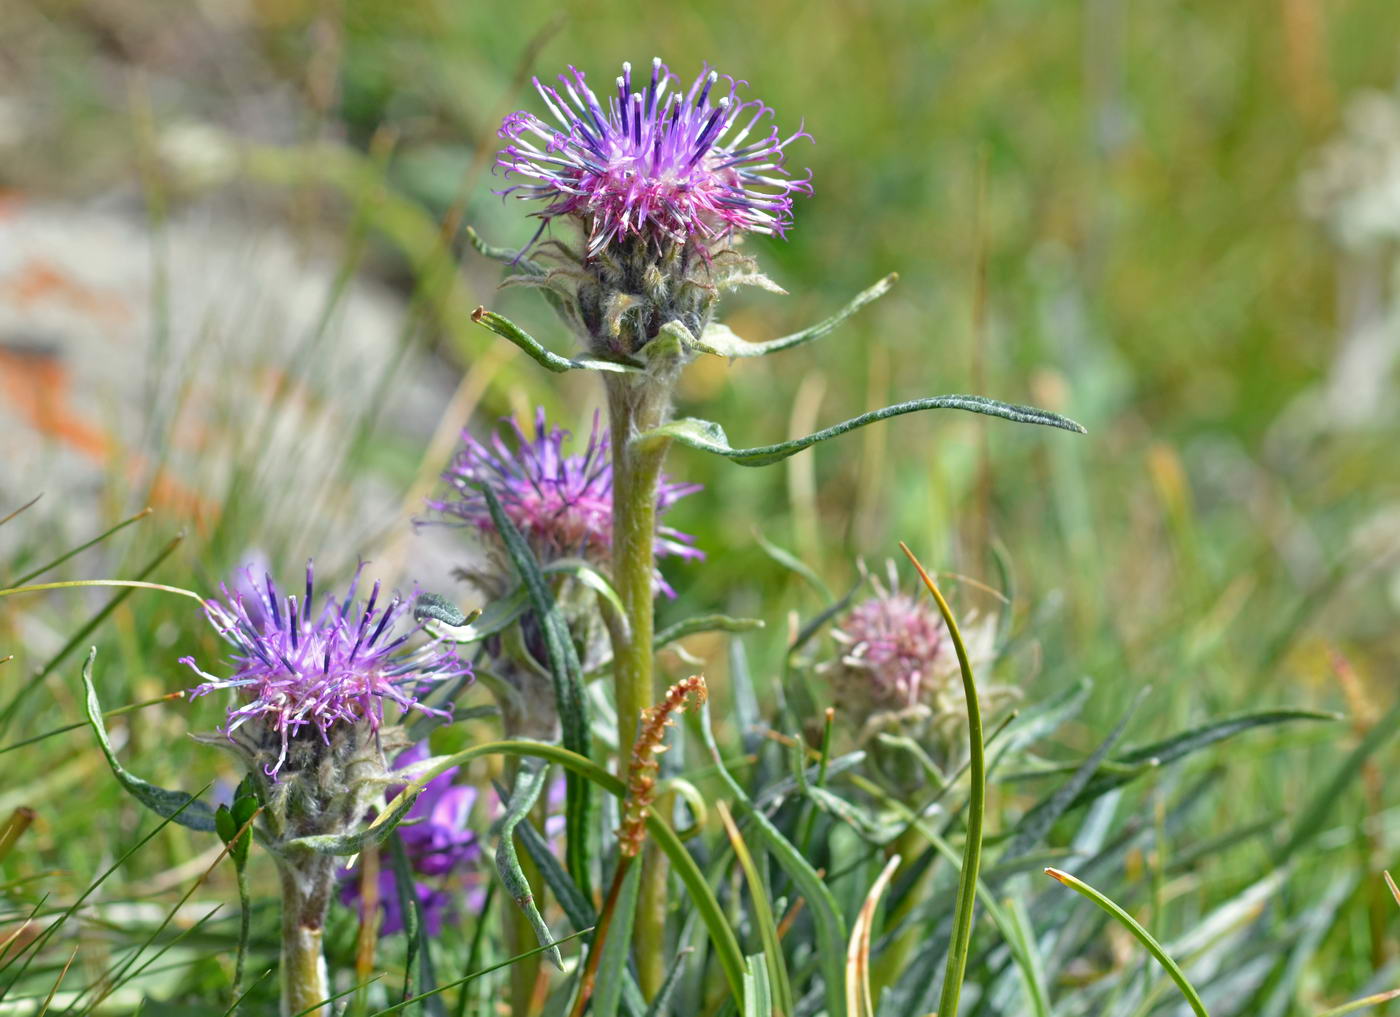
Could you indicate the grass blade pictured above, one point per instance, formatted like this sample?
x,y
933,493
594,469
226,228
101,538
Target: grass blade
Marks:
x,y
762,914
976,808
1142,935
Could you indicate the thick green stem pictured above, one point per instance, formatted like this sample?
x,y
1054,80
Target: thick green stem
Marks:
x,y
635,407
306,892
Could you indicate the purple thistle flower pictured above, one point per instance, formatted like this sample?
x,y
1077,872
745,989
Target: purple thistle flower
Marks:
x,y
562,504
653,163
303,673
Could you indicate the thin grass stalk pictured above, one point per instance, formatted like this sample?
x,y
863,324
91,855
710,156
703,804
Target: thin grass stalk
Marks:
x,y
961,941
1139,933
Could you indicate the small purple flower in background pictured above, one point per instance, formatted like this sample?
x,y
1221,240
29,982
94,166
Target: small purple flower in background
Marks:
x,y
302,672
438,844
562,504
652,163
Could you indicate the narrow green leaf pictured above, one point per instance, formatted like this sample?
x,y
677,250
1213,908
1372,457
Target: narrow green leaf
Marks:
x,y
976,808
507,329
722,342
418,953
790,561
707,436
578,909
173,805
1036,823
705,623
660,1005
616,948
36,573
830,926
759,897
529,782
1142,935
403,1005
1181,745
1310,821
569,696
698,891
11,709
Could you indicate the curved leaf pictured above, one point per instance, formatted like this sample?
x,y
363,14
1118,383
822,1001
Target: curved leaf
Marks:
x,y
961,941
529,782
177,806
1142,935
569,696
1178,746
698,890
354,843
707,436
830,926
515,259
507,329
445,620
720,341
705,623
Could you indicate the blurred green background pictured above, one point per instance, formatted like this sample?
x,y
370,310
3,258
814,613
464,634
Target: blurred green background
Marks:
x,y
1174,222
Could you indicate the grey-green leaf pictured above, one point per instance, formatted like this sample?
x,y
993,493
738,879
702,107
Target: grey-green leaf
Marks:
x,y
437,613
719,340
529,782
1181,745
354,843
507,329
707,436
567,677
515,259
177,806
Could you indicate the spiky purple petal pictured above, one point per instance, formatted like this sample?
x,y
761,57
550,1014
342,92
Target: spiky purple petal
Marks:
x,y
301,674
652,164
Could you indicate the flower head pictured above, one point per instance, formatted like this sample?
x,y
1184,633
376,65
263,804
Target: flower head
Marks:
x,y
562,504
892,645
653,163
897,662
301,673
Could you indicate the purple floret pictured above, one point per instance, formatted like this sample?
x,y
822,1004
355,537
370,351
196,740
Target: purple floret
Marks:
x,y
562,504
299,672
646,162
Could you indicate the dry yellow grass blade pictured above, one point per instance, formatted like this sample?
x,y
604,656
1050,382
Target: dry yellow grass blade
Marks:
x,y
858,999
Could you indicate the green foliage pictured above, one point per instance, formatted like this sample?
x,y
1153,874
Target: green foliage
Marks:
x,y
1079,222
